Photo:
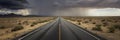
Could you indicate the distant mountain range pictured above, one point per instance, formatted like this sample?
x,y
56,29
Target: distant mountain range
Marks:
x,y
17,15
10,15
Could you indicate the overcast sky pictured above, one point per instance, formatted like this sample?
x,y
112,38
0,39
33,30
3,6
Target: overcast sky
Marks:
x,y
71,7
75,7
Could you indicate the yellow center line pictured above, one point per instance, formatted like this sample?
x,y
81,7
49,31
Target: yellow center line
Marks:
x,y
59,32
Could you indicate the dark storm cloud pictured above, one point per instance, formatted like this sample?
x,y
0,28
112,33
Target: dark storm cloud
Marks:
x,y
11,4
49,7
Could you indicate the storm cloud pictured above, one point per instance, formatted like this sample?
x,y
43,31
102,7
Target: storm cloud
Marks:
x,y
69,7
12,4
59,7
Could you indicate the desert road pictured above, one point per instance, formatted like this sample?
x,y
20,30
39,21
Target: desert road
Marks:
x,y
59,29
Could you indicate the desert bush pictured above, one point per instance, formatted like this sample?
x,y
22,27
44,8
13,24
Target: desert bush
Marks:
x,y
98,25
42,21
78,20
116,21
103,20
94,23
34,23
97,28
105,24
86,22
39,22
25,22
90,20
79,23
111,29
109,20
45,20
116,26
19,23
16,28
31,25
2,27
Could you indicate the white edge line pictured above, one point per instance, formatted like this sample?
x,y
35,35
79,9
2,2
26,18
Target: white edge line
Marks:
x,y
28,34
90,34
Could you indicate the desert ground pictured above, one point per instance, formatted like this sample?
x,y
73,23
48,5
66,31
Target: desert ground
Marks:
x,y
12,27
106,27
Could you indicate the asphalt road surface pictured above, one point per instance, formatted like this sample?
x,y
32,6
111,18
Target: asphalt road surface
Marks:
x,y
59,29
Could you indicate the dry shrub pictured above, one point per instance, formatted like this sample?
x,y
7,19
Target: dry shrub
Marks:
x,y
16,28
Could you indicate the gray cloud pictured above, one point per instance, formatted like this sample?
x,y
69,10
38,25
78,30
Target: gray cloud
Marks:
x,y
12,4
62,7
